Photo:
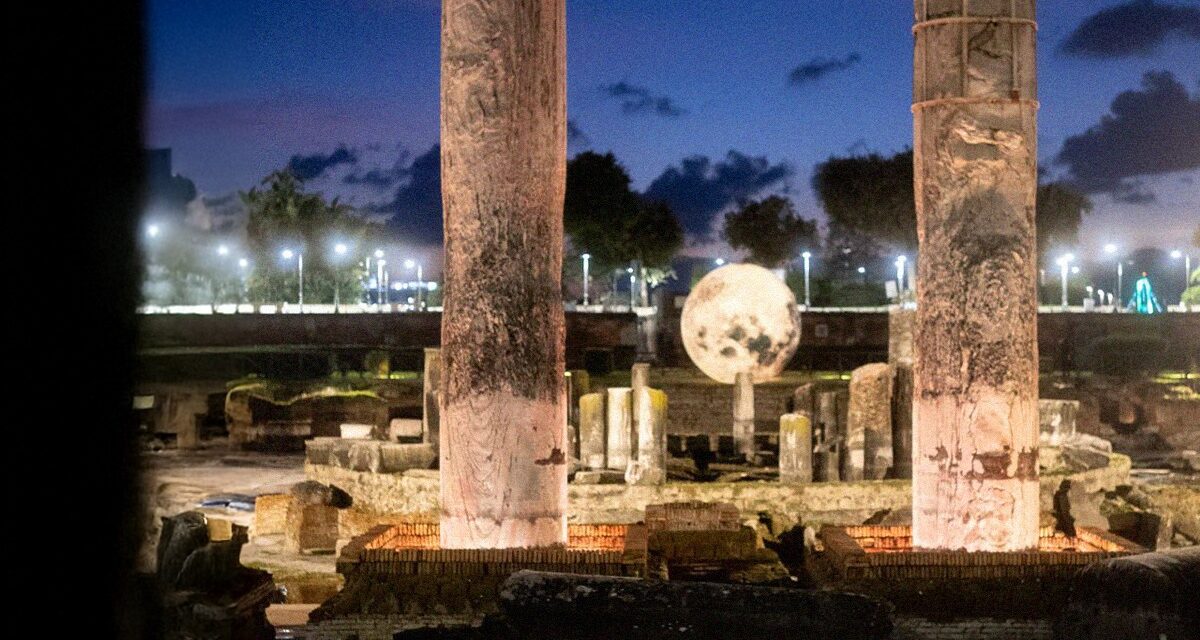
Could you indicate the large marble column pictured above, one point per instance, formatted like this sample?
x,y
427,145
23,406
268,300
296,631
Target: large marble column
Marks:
x,y
975,483
503,133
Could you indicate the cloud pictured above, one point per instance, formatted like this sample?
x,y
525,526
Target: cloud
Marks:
x,y
415,211
1151,131
819,67
1136,28
699,188
635,100
575,135
313,166
380,177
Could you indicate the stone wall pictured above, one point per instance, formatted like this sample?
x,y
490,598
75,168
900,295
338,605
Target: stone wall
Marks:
x,y
837,503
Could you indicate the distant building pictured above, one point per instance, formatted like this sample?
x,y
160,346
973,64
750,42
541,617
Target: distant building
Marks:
x,y
166,192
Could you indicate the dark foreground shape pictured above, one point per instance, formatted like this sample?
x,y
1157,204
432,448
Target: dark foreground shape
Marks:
x,y
1150,595
578,607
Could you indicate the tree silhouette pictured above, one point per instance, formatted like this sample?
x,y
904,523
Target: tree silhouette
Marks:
x,y
769,229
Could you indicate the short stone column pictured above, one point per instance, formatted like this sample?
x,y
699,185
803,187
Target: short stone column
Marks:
x,y
649,465
743,416
795,448
431,380
639,382
1056,420
591,430
619,413
869,437
830,437
901,321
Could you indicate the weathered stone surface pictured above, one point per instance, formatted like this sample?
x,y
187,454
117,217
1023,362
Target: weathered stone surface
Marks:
x,y
572,606
405,429
1147,529
650,464
599,476
1056,420
901,321
1147,596
795,448
743,415
503,441
975,477
902,423
431,382
395,457
591,430
316,493
869,427
619,425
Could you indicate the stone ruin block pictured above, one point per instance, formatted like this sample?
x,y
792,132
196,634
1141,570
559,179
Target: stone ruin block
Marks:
x,y
312,517
692,516
1056,420
270,514
591,430
795,448
869,426
405,430
370,456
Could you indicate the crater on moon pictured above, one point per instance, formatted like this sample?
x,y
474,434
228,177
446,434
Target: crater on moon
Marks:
x,y
740,317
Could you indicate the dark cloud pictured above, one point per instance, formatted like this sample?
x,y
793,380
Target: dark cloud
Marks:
x,y
700,188
635,99
380,178
575,135
313,166
1152,131
1135,28
416,209
819,67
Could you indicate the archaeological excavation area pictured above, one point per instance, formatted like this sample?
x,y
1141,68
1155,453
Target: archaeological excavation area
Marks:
x,y
495,486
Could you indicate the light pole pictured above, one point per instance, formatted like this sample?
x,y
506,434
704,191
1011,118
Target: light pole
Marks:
x,y
806,255
1064,263
632,278
338,250
586,258
287,255
380,286
862,271
409,264
900,277
1187,269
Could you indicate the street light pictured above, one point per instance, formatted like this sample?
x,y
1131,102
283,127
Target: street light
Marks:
x,y
863,272
719,261
152,230
1187,269
900,276
409,264
806,255
339,250
287,255
586,258
1064,263
222,250
632,278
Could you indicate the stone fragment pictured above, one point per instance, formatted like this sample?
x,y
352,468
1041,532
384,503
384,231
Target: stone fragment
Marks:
x,y
902,422
649,466
619,411
869,427
1056,420
795,448
743,415
599,476
591,430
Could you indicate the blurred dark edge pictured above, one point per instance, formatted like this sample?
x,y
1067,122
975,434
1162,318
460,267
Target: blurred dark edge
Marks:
x,y
75,75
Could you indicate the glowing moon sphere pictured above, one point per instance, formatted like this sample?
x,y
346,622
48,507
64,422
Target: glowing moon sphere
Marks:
x,y
740,317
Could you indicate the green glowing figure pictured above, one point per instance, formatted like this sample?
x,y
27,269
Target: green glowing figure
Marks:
x,y
1143,300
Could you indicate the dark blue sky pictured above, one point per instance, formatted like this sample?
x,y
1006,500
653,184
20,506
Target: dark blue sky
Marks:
x,y
239,87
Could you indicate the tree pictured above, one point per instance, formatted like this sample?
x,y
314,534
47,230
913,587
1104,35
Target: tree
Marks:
x,y
872,196
613,223
281,215
769,229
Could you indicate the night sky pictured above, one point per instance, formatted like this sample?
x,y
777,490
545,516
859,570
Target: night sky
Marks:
x,y
703,102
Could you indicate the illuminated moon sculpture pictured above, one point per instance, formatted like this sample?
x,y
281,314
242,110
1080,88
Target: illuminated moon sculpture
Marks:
x,y
740,317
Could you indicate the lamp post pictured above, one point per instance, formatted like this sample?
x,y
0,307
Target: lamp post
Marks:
x,y
1187,269
339,250
380,286
900,277
862,271
632,278
409,264
1064,263
586,258
287,255
806,255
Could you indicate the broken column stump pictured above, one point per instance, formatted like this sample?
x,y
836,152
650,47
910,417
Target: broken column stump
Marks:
x,y
795,448
743,416
869,427
649,465
591,430
619,421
